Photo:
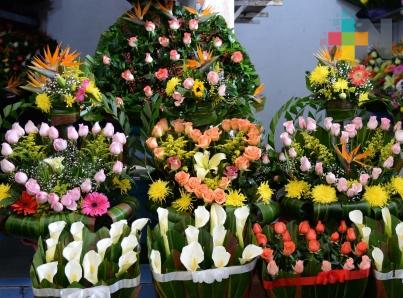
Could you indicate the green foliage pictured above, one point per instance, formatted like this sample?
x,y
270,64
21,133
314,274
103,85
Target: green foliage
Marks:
x,y
27,149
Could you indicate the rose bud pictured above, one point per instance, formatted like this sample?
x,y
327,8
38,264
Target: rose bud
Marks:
x,y
267,254
117,167
100,176
342,227
59,144
72,133
12,136
30,127
83,130
299,267
320,227
96,129
18,129
280,227
288,248
313,246
303,227
115,148
345,248
44,130
21,178
257,229
6,149
286,236
108,130
311,235
174,163
334,237
261,239
361,248
351,234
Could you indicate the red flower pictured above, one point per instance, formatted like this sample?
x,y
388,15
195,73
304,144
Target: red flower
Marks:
x,y
303,227
313,245
26,205
361,248
289,248
311,235
286,236
334,237
359,75
267,254
351,234
343,227
257,229
320,227
345,248
280,227
261,239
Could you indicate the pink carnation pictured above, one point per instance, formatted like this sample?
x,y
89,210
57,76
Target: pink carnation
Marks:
x,y
95,204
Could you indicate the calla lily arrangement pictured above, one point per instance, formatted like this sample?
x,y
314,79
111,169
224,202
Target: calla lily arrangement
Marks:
x,y
204,248
77,258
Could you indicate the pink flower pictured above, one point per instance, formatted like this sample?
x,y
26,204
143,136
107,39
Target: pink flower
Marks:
x,y
272,268
289,127
72,133
174,24
365,263
164,41
188,83
372,123
96,129
99,176
53,198
6,149
396,148
127,75
57,206
80,93
174,55
217,42
12,136
187,38
357,121
174,163
159,153
193,24
385,124
349,264
231,172
32,187
119,101
44,130
148,59
326,266
237,57
83,130
115,148
285,139
310,124
18,129
95,204
398,135
330,178
319,168
119,137
265,159
364,179
282,157
355,189
68,201
41,197
21,178
388,163
398,126
299,267
292,153
59,144
106,60
86,186
117,167
342,185
161,74
351,130
132,42
178,97
301,122
376,172
327,123
305,164
213,78
221,90
108,130
53,133
151,143
344,137
150,26
6,166
30,127
148,91
335,129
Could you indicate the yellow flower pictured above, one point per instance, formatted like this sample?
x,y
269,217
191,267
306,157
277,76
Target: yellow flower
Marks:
x,y
171,85
43,102
264,192
69,100
319,75
124,185
340,85
4,191
158,191
376,196
324,194
363,97
94,91
198,88
296,189
184,203
364,1
235,198
397,185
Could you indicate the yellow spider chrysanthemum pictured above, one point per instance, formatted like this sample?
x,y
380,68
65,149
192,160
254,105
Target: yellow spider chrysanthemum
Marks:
x,y
159,191
340,85
264,192
319,75
171,85
397,185
324,194
124,185
43,102
69,100
235,198
198,88
184,203
363,97
376,196
4,191
94,91
296,189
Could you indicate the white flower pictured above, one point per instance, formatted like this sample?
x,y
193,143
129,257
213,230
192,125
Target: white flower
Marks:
x,y
387,219
163,225
250,252
91,262
117,229
220,256
217,216
192,234
365,232
202,216
76,230
72,252
377,255
356,217
126,261
55,229
73,271
129,243
50,249
47,271
241,215
204,164
399,233
191,256
155,260
138,225
55,163
219,234
103,245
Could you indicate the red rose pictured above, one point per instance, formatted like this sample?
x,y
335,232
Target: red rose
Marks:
x,y
257,229
313,245
342,227
334,237
288,248
267,254
351,234
286,236
311,235
303,227
261,239
161,74
361,248
320,227
280,227
345,248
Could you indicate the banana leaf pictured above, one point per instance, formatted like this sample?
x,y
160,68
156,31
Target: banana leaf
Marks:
x,y
266,213
296,209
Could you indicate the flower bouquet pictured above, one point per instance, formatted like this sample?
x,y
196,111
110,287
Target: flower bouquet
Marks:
x,y
208,255
48,178
189,58
334,169
80,263
304,260
194,167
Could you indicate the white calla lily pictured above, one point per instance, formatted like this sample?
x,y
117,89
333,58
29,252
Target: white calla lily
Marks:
x,y
126,261
72,252
399,234
47,271
163,225
366,232
377,255
250,252
73,271
117,229
91,262
138,225
55,229
191,256
50,249
76,230
103,245
356,217
204,164
129,243
220,256
219,234
218,216
241,215
202,216
155,261
387,219
192,234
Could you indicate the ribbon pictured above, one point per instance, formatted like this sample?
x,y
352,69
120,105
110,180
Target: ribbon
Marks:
x,y
93,292
205,276
323,278
396,274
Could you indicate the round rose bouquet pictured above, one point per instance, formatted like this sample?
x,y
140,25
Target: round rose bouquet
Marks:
x,y
186,57
48,175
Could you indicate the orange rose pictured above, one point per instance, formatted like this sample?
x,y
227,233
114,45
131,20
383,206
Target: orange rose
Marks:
x,y
280,227
195,134
226,125
219,196
345,248
252,153
151,143
157,131
213,133
361,248
243,125
192,184
188,127
224,182
320,227
261,239
311,235
286,236
182,178
342,227
234,124
254,130
351,234
304,227
200,190
179,125
267,254
208,196
313,245
159,153
257,229
253,140
242,163
204,142
288,248
163,123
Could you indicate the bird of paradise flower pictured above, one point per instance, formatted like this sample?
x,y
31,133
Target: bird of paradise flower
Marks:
x,y
347,158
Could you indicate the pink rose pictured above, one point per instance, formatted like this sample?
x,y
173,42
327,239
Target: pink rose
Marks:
x,y
86,186
217,42
193,24
164,41
231,172
59,144
96,129
372,123
174,24
115,148
174,55
282,157
385,124
344,137
148,91
127,75
285,139
6,166
272,268
117,167
174,163
148,59
396,148
119,101
289,127
237,57
41,197
30,127
327,123
6,149
319,168
398,126
357,121
265,159
335,129
301,122
221,90
351,130
342,185
21,178
376,172
108,130
68,202
188,83
349,264
44,130
83,130
32,187
178,97
151,143
12,136
298,267
292,153
364,179
150,26
99,176
187,38
18,129
72,133
213,78
162,74
355,189
119,137
57,206
365,263
326,266
53,198
106,60
388,163
305,164
132,42
310,124
398,135
330,178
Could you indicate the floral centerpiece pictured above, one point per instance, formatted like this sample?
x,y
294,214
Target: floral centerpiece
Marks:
x,y
187,57
206,255
80,263
48,178
334,168
313,260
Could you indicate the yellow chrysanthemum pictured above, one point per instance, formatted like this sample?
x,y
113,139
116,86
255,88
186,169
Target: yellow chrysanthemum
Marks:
x,y
376,196
397,185
235,198
158,191
264,192
171,85
296,189
124,185
43,102
69,100
4,191
94,91
198,88
184,203
324,194
319,75
340,85
363,97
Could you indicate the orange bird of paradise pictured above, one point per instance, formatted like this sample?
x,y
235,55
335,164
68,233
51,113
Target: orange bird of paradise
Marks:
x,y
349,157
202,58
139,12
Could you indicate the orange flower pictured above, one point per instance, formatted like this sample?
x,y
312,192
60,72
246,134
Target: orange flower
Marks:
x,y
213,133
179,125
288,248
303,227
345,248
320,227
267,254
311,235
313,245
257,229
334,237
361,248
192,184
342,227
242,163
159,153
351,234
208,196
200,190
182,178
226,125
224,182
280,227
252,153
243,125
261,239
204,141
219,196
195,134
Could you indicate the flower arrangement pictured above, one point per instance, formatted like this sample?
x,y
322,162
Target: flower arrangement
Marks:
x,y
164,50
334,167
78,262
314,260
208,254
47,175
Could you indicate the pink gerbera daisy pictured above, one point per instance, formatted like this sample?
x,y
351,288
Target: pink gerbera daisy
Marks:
x,y
95,204
359,75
